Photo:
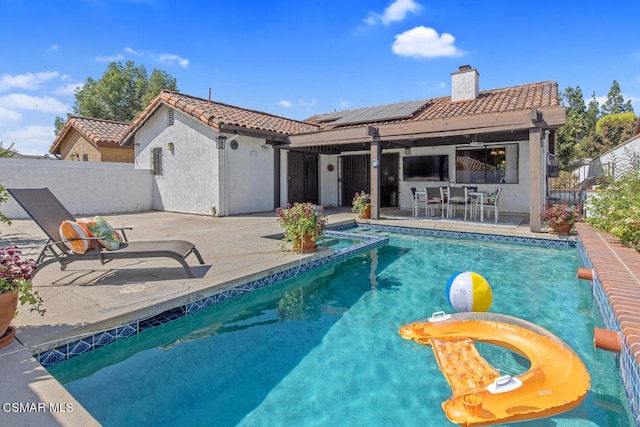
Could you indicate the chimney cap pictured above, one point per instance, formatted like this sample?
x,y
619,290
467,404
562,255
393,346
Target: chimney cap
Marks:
x,y
465,67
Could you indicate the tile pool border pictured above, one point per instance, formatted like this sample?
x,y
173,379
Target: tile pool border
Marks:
x,y
369,242
628,367
99,339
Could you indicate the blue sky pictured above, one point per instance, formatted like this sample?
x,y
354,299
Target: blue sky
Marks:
x,y
299,58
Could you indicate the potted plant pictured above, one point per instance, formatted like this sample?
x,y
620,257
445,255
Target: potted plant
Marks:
x,y
303,224
362,205
561,217
15,285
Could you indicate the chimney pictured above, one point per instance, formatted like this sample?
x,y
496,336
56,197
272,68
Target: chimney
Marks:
x,y
464,84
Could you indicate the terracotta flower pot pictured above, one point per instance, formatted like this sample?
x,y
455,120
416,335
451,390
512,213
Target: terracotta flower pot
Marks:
x,y
309,243
8,306
366,214
562,228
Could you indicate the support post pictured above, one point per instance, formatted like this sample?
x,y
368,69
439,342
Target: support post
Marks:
x,y
536,166
375,177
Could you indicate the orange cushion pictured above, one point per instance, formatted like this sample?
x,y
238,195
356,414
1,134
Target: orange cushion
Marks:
x,y
75,237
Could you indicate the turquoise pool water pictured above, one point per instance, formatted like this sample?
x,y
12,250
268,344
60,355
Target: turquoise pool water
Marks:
x,y
322,349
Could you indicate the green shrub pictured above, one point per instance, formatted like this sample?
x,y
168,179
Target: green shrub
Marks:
x,y
616,208
4,196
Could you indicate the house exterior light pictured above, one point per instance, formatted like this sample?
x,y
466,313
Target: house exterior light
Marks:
x,y
220,141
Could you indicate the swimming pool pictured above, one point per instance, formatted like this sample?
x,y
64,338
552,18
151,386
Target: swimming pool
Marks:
x,y
323,348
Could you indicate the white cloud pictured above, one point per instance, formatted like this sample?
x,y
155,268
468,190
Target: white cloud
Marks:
x,y
395,12
423,42
29,81
7,116
398,10
54,48
20,101
69,88
344,104
33,140
304,103
301,103
111,58
131,51
172,59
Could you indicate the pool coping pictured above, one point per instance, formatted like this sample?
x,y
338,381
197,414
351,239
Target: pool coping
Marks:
x,y
616,291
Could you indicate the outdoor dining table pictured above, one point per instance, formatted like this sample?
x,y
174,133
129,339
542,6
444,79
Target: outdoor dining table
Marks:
x,y
479,195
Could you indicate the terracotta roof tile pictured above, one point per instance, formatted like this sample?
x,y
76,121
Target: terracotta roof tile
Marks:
x,y
102,133
516,98
216,114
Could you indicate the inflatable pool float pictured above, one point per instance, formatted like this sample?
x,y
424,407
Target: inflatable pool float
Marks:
x,y
556,381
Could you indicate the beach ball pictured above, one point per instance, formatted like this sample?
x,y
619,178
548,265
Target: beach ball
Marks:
x,y
469,291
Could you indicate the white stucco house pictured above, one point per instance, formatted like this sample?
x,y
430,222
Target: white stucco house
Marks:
x,y
619,159
210,158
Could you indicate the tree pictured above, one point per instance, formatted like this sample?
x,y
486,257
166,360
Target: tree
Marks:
x,y
590,131
7,152
570,135
58,123
613,129
157,81
120,94
4,194
615,103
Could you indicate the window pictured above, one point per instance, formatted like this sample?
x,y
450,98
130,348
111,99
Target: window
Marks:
x,y
425,168
487,165
156,161
85,157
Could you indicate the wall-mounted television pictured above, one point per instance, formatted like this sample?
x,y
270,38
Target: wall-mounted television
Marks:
x,y
425,168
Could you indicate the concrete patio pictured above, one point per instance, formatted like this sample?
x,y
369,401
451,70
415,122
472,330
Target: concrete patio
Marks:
x,y
89,297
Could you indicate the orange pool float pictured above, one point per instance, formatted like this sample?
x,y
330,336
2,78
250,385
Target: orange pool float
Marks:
x,y
556,381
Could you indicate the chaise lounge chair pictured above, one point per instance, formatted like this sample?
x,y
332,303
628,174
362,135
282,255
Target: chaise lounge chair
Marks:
x,y
47,211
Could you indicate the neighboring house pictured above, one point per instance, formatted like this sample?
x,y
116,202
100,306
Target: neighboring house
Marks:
x,y
214,158
613,162
91,140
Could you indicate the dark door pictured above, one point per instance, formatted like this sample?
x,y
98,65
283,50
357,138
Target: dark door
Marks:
x,y
303,177
355,176
389,168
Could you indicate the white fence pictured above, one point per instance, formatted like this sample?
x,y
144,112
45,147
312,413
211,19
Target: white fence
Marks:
x,y
83,187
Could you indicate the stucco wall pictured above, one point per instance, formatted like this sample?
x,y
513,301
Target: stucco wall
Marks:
x,y
124,154
189,181
83,187
197,177
74,146
249,175
624,157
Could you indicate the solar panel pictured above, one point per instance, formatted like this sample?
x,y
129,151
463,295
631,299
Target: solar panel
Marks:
x,y
382,112
330,116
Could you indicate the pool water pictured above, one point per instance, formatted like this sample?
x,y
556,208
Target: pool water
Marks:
x,y
323,349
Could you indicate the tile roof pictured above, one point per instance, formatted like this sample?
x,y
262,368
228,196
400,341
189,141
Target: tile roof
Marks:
x,y
102,133
217,114
515,98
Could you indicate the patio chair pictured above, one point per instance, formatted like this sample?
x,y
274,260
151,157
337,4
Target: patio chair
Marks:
x,y
47,211
417,198
457,196
434,200
491,203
